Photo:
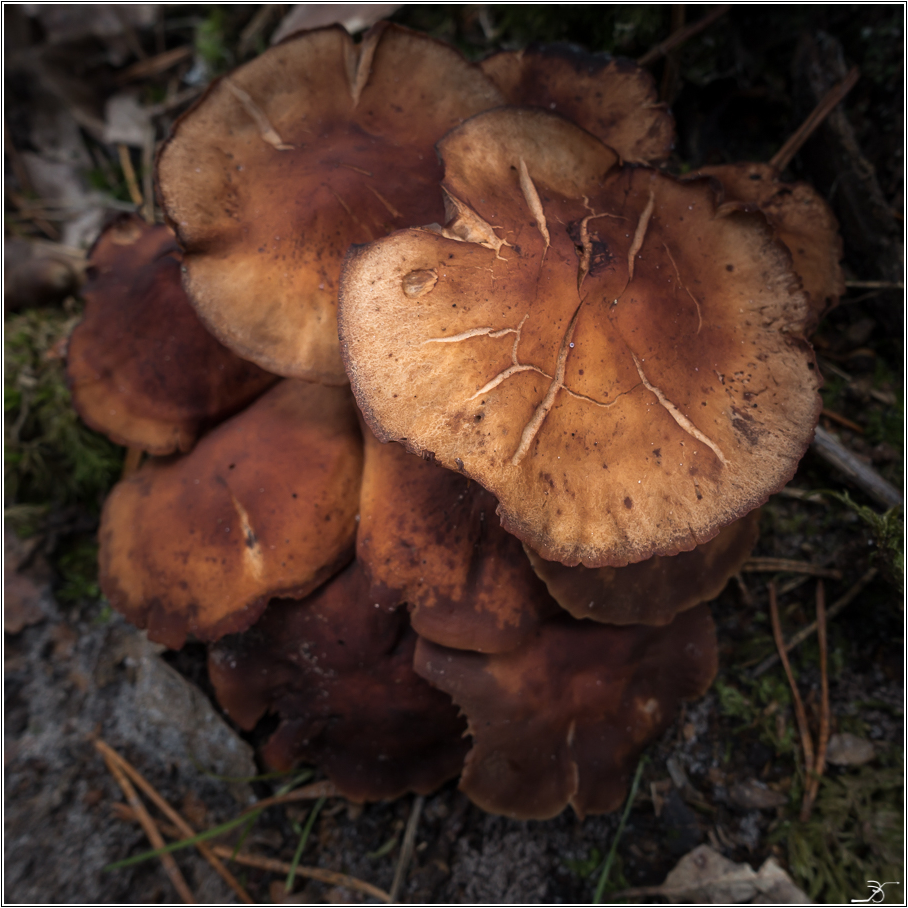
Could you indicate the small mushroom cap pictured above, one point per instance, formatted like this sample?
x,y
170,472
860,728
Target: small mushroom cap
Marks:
x,y
622,368
430,537
339,673
141,366
316,144
803,221
652,591
614,99
264,505
563,719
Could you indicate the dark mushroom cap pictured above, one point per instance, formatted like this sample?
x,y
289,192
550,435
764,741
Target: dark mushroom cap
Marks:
x,y
142,367
430,537
265,505
623,368
614,99
316,144
338,671
803,221
563,719
655,590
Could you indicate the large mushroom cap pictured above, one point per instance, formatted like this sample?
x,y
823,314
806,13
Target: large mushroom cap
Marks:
x,y
803,221
562,719
614,99
142,368
264,505
620,366
655,590
429,537
339,673
316,144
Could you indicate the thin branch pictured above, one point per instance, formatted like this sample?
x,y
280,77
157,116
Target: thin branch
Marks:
x,y
787,565
683,34
782,158
131,182
148,824
823,739
406,850
860,473
307,793
802,635
311,873
181,825
800,714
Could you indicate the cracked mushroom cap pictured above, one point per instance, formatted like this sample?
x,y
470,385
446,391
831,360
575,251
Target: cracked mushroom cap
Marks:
x,y
614,99
655,590
339,673
619,364
316,144
563,719
430,537
265,505
803,221
141,366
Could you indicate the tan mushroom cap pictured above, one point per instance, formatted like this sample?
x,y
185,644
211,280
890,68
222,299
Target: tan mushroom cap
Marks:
x,y
803,221
563,719
622,368
430,537
614,99
655,590
141,366
316,144
265,505
339,674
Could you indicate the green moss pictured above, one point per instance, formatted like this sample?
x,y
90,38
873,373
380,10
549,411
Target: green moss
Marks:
x,y
50,456
855,834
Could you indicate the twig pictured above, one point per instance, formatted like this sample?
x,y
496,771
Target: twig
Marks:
x,y
406,849
181,825
800,714
153,66
148,824
842,420
683,34
148,174
774,565
862,475
813,785
802,635
131,461
180,98
782,158
607,866
131,182
311,792
876,285
746,594
311,873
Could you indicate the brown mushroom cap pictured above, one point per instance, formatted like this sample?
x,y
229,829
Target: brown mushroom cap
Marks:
x,y
803,221
429,537
655,590
622,368
339,673
316,144
614,99
563,719
142,368
265,505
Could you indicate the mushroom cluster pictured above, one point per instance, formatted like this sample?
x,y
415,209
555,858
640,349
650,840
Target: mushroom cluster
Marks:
x,y
572,380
